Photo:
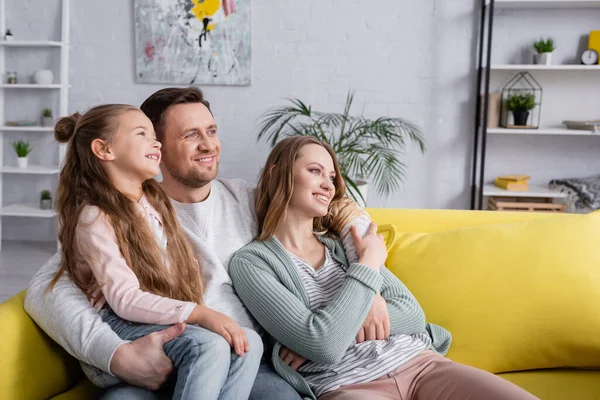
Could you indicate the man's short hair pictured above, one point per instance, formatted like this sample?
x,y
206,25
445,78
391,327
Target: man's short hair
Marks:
x,y
157,104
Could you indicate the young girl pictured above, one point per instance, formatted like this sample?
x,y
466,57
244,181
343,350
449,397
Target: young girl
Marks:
x,y
297,282
123,246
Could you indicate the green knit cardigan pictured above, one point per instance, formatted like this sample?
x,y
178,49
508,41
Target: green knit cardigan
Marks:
x,y
266,280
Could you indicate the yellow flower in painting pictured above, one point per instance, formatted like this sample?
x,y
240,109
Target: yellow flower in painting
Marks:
x,y
204,9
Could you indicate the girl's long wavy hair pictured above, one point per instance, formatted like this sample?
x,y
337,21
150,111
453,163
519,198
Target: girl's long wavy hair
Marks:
x,y
276,186
83,182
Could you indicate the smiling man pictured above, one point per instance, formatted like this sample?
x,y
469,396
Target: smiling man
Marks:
x,y
218,218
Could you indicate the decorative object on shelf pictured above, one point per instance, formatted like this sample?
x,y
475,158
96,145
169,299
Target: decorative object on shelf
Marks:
x,y
20,123
583,194
593,125
365,147
527,204
8,36
594,42
11,77
544,50
193,42
517,183
589,57
22,148
46,200
521,100
43,77
494,109
47,119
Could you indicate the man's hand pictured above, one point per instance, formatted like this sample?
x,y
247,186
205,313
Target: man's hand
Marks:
x,y
143,362
294,360
377,323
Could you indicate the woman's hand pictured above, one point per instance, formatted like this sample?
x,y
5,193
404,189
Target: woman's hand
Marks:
x,y
370,249
294,360
223,325
377,322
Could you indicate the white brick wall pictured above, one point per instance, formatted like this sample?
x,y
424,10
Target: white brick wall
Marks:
x,y
414,59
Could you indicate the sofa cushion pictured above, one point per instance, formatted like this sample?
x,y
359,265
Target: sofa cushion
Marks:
x,y
515,296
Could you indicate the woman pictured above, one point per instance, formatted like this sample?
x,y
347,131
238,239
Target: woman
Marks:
x,y
296,280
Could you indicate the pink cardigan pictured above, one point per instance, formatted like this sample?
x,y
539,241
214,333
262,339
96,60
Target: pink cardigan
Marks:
x,y
100,258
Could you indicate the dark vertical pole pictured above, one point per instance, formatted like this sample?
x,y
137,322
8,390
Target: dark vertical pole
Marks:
x,y
485,101
478,108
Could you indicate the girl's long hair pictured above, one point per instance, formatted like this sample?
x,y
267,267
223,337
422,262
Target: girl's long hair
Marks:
x,y
83,182
276,186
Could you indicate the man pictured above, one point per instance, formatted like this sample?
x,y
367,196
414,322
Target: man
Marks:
x,y
218,218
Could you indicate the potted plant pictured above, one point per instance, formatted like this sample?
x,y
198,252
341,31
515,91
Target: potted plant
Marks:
x,y
366,148
520,104
544,50
47,119
22,148
46,200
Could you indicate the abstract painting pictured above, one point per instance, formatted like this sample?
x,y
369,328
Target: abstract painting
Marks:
x,y
192,41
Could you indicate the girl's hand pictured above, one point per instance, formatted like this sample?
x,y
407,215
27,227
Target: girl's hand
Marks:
x,y
370,249
294,360
223,325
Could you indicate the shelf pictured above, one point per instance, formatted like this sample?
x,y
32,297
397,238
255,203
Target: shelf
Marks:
x,y
26,210
534,191
546,3
32,169
541,131
29,86
30,43
534,67
26,128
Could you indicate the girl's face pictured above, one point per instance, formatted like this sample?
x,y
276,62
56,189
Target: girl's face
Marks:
x,y
314,174
136,152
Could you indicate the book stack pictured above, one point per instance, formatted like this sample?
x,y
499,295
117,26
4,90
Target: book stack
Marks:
x,y
514,183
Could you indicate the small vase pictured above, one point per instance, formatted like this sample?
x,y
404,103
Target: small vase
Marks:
x,y
47,121
542,58
22,162
520,117
46,204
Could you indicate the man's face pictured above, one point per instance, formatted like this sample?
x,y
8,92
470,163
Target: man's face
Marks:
x,y
191,148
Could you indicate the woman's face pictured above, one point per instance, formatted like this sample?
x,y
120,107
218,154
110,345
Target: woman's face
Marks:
x,y
314,175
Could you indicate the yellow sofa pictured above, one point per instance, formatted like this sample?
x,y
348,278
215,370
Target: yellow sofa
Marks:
x,y
32,366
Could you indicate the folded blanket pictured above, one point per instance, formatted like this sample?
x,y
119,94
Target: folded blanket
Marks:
x,y
582,193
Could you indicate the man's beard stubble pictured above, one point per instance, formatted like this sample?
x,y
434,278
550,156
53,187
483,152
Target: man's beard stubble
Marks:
x,y
191,179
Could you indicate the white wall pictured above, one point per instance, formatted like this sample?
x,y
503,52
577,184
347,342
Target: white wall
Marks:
x,y
414,59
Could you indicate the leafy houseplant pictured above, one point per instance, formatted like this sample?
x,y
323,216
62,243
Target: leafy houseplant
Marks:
x,y
364,147
22,148
46,200
544,49
47,118
520,104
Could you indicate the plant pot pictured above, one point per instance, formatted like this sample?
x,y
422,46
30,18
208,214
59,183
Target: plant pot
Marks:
x,y
47,121
22,162
363,188
46,204
520,117
542,58
43,77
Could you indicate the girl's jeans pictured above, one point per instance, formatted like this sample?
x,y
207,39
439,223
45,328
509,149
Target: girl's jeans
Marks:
x,y
206,366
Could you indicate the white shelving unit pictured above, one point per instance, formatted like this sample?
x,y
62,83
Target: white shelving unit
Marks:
x,y
32,210
481,188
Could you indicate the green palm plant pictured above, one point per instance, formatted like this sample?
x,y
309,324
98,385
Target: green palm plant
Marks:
x,y
365,147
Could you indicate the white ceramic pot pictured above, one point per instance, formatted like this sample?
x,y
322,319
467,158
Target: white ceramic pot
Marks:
x,y
43,77
542,59
22,162
47,121
363,188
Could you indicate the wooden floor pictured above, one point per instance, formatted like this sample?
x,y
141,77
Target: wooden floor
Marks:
x,y
19,261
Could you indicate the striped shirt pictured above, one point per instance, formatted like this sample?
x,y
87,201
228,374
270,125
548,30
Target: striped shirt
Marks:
x,y
362,362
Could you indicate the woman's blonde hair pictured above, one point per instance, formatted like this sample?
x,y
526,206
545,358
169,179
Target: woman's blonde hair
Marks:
x,y
83,182
276,186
